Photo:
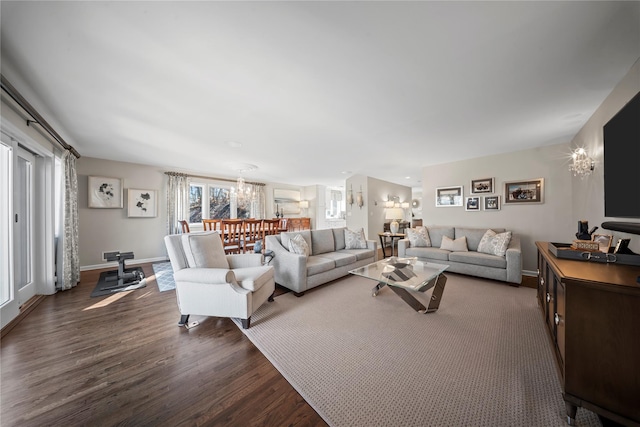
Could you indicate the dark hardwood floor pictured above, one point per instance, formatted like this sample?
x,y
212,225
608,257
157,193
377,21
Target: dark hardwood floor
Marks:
x,y
122,360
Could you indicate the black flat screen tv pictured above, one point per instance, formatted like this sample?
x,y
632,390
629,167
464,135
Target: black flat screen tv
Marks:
x,y
622,162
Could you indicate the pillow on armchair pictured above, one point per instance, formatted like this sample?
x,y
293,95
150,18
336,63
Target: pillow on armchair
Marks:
x,y
204,250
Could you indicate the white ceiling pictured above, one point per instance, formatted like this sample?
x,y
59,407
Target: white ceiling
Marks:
x,y
310,90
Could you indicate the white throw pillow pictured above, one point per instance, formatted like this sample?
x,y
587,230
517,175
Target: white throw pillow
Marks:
x,y
298,245
204,250
418,237
494,244
457,245
354,239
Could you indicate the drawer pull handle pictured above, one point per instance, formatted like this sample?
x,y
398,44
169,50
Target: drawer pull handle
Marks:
x,y
548,297
542,281
556,318
538,271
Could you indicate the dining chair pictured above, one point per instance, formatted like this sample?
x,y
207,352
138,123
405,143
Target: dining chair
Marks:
x,y
231,230
211,224
270,227
251,233
185,226
284,223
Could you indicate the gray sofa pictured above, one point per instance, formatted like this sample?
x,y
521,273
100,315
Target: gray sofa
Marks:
x,y
506,268
328,259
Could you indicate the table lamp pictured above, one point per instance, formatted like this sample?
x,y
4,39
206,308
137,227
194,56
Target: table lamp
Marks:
x,y
394,214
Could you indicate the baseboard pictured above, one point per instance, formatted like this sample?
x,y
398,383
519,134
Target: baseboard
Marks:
x,y
127,263
25,309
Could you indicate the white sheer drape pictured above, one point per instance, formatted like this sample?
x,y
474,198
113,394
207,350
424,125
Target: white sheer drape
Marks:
x,y
68,263
260,201
177,201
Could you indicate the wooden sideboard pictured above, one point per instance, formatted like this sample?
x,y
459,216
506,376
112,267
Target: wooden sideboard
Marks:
x,y
592,314
297,224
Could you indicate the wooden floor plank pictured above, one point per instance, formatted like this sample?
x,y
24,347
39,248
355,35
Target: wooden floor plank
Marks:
x,y
122,360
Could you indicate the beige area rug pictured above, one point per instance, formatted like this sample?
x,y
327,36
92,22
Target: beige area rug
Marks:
x,y
482,359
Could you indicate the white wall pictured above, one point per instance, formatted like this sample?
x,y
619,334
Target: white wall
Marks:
x,y
588,193
549,221
375,193
103,230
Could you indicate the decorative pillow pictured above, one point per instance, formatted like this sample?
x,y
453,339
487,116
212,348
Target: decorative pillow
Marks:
x,y
457,245
354,239
418,237
204,250
298,245
493,243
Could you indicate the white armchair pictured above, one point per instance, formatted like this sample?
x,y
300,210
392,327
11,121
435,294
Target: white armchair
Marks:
x,y
210,283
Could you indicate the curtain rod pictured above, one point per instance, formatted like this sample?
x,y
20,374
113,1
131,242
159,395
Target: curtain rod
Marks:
x,y
212,177
37,118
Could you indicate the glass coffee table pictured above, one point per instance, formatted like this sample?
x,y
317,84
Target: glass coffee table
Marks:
x,y
405,276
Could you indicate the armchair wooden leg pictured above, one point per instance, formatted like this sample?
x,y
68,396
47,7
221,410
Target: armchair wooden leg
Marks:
x,y
271,297
298,294
183,320
246,323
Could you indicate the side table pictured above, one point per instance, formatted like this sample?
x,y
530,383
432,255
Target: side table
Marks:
x,y
383,239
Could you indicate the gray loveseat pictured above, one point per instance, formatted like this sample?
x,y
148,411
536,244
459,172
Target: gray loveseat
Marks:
x,y
507,268
328,259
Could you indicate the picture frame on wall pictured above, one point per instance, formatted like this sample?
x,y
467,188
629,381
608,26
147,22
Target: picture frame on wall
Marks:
x,y
104,192
491,203
472,204
449,196
142,203
525,191
484,185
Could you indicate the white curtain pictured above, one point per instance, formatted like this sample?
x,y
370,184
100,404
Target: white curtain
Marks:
x,y
177,201
68,265
258,205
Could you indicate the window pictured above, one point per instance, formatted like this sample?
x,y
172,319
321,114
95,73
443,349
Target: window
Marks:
x,y
219,203
222,203
195,203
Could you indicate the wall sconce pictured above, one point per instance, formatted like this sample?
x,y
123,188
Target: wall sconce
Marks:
x,y
359,199
582,164
350,196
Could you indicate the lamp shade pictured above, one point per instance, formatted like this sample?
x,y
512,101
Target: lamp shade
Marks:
x,y
394,213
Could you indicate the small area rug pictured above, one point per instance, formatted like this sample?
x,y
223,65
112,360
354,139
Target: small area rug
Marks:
x,y
108,284
483,359
164,276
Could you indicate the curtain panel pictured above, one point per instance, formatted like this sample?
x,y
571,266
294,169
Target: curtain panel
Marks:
x,y
68,265
177,201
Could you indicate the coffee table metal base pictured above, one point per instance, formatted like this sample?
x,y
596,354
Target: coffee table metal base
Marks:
x,y
436,295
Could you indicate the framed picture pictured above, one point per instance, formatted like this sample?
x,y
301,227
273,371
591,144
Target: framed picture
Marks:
x,y
105,192
529,191
491,203
142,203
449,196
484,185
286,201
604,240
472,204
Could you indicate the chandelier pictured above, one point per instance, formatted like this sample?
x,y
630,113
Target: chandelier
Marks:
x,y
582,164
244,190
